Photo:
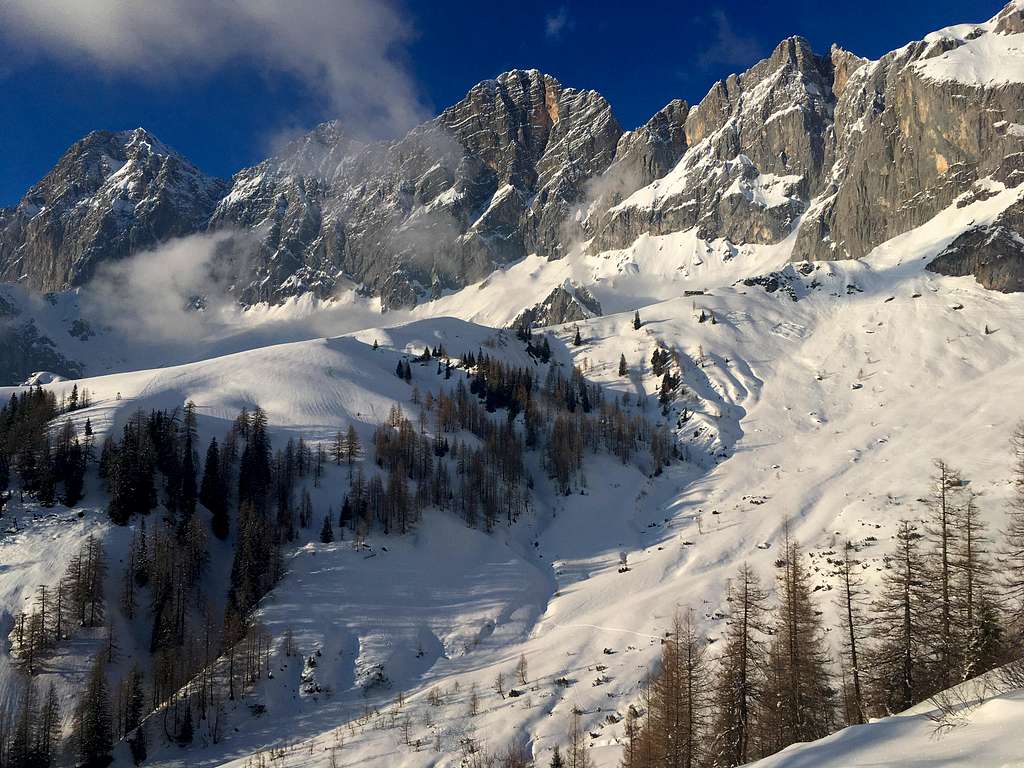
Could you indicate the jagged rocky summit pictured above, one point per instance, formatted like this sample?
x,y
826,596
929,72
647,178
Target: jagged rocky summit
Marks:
x,y
833,151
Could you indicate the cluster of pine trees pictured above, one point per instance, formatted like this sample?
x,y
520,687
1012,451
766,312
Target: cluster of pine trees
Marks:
x,y
155,461
568,416
30,734
484,480
940,617
661,365
154,464
50,467
538,350
76,602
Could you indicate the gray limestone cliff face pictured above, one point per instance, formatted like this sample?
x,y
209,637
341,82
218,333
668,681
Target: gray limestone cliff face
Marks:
x,y
757,152
993,254
642,156
284,245
489,180
851,151
109,196
653,149
25,350
911,136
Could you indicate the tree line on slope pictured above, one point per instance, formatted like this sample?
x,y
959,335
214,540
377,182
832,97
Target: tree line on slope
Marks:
x,y
950,607
47,464
462,456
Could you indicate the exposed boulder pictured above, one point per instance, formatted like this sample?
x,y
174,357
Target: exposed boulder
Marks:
x,y
994,254
568,303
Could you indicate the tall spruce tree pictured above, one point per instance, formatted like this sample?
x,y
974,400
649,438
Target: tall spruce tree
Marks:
x,y
338,448
213,491
188,480
74,474
352,447
46,477
93,732
327,530
1012,549
899,627
977,619
941,536
740,671
851,605
675,732
800,698
46,744
21,751
254,473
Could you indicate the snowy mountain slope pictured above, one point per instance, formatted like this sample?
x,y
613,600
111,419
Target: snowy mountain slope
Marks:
x,y
825,410
813,392
33,548
840,462
343,382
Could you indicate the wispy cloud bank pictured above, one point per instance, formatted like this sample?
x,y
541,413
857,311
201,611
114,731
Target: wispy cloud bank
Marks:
x,y
557,23
150,293
730,47
172,304
348,51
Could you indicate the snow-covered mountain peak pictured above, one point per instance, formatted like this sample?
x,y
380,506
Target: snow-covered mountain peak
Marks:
x,y
524,164
110,195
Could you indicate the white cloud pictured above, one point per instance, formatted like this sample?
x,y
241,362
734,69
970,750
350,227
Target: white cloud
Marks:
x,y
730,47
148,294
147,303
557,23
347,50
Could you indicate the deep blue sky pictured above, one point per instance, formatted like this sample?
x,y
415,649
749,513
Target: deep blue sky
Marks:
x,y
639,55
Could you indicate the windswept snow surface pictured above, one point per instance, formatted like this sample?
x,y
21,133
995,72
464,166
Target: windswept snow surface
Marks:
x,y
822,402
987,737
979,56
